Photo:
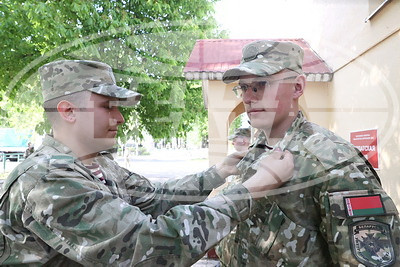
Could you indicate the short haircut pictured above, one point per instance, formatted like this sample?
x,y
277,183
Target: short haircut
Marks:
x,y
50,106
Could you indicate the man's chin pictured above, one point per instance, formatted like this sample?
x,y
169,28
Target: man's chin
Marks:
x,y
260,124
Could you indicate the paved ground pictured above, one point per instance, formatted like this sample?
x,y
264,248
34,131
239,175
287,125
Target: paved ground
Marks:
x,y
159,166
167,164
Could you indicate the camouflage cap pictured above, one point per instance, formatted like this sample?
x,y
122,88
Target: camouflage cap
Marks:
x,y
240,132
266,57
66,77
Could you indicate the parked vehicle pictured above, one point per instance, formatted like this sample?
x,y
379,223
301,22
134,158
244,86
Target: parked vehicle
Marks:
x,y
13,143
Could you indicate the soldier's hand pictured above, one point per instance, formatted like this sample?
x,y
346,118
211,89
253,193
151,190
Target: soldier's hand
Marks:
x,y
228,165
273,171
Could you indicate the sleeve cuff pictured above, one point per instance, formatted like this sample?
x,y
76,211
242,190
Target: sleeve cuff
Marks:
x,y
212,178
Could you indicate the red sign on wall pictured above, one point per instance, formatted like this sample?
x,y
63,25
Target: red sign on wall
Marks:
x,y
367,142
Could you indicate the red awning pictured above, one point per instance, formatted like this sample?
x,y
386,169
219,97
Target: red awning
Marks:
x,y
210,58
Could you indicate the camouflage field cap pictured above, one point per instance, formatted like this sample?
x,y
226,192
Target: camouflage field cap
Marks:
x,y
240,132
66,77
265,57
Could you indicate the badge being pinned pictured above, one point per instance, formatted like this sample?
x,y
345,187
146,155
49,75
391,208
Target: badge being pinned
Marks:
x,y
371,243
368,205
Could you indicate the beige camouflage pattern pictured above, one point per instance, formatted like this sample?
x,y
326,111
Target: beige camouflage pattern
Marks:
x,y
304,223
55,213
240,132
264,58
66,77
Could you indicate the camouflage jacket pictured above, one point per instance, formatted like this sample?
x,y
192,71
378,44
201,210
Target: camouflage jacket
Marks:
x,y
54,212
333,212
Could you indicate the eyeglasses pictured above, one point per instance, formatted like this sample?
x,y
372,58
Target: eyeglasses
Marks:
x,y
256,87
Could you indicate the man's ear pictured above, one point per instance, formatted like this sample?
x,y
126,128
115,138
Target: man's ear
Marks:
x,y
299,86
66,111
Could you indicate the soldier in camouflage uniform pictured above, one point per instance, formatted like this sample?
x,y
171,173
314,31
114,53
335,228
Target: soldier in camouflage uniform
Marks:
x,y
333,212
69,205
241,139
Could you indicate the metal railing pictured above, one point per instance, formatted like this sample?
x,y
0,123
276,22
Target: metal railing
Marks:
x,y
19,156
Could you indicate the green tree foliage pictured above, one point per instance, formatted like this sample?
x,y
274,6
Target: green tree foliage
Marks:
x,y
147,43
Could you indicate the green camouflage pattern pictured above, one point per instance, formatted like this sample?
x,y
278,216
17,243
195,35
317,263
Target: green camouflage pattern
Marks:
x,y
266,57
54,212
240,132
304,223
65,77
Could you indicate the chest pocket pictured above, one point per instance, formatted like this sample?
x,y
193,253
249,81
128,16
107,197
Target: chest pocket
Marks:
x,y
283,240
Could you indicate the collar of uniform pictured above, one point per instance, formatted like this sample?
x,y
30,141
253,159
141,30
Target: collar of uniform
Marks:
x,y
300,119
260,140
282,144
51,142
257,150
294,128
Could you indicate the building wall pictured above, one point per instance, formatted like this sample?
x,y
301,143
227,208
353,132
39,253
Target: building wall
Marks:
x,y
316,103
366,95
340,33
221,101
365,91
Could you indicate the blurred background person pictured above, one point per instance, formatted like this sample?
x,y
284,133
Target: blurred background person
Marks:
x,y
241,139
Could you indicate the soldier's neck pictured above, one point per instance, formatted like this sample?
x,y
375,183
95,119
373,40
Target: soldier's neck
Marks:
x,y
76,147
278,130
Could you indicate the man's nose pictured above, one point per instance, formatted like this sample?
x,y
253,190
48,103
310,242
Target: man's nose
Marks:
x,y
117,117
248,96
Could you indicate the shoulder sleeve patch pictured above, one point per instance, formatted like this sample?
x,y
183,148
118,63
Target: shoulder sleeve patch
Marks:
x,y
371,243
365,205
345,204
